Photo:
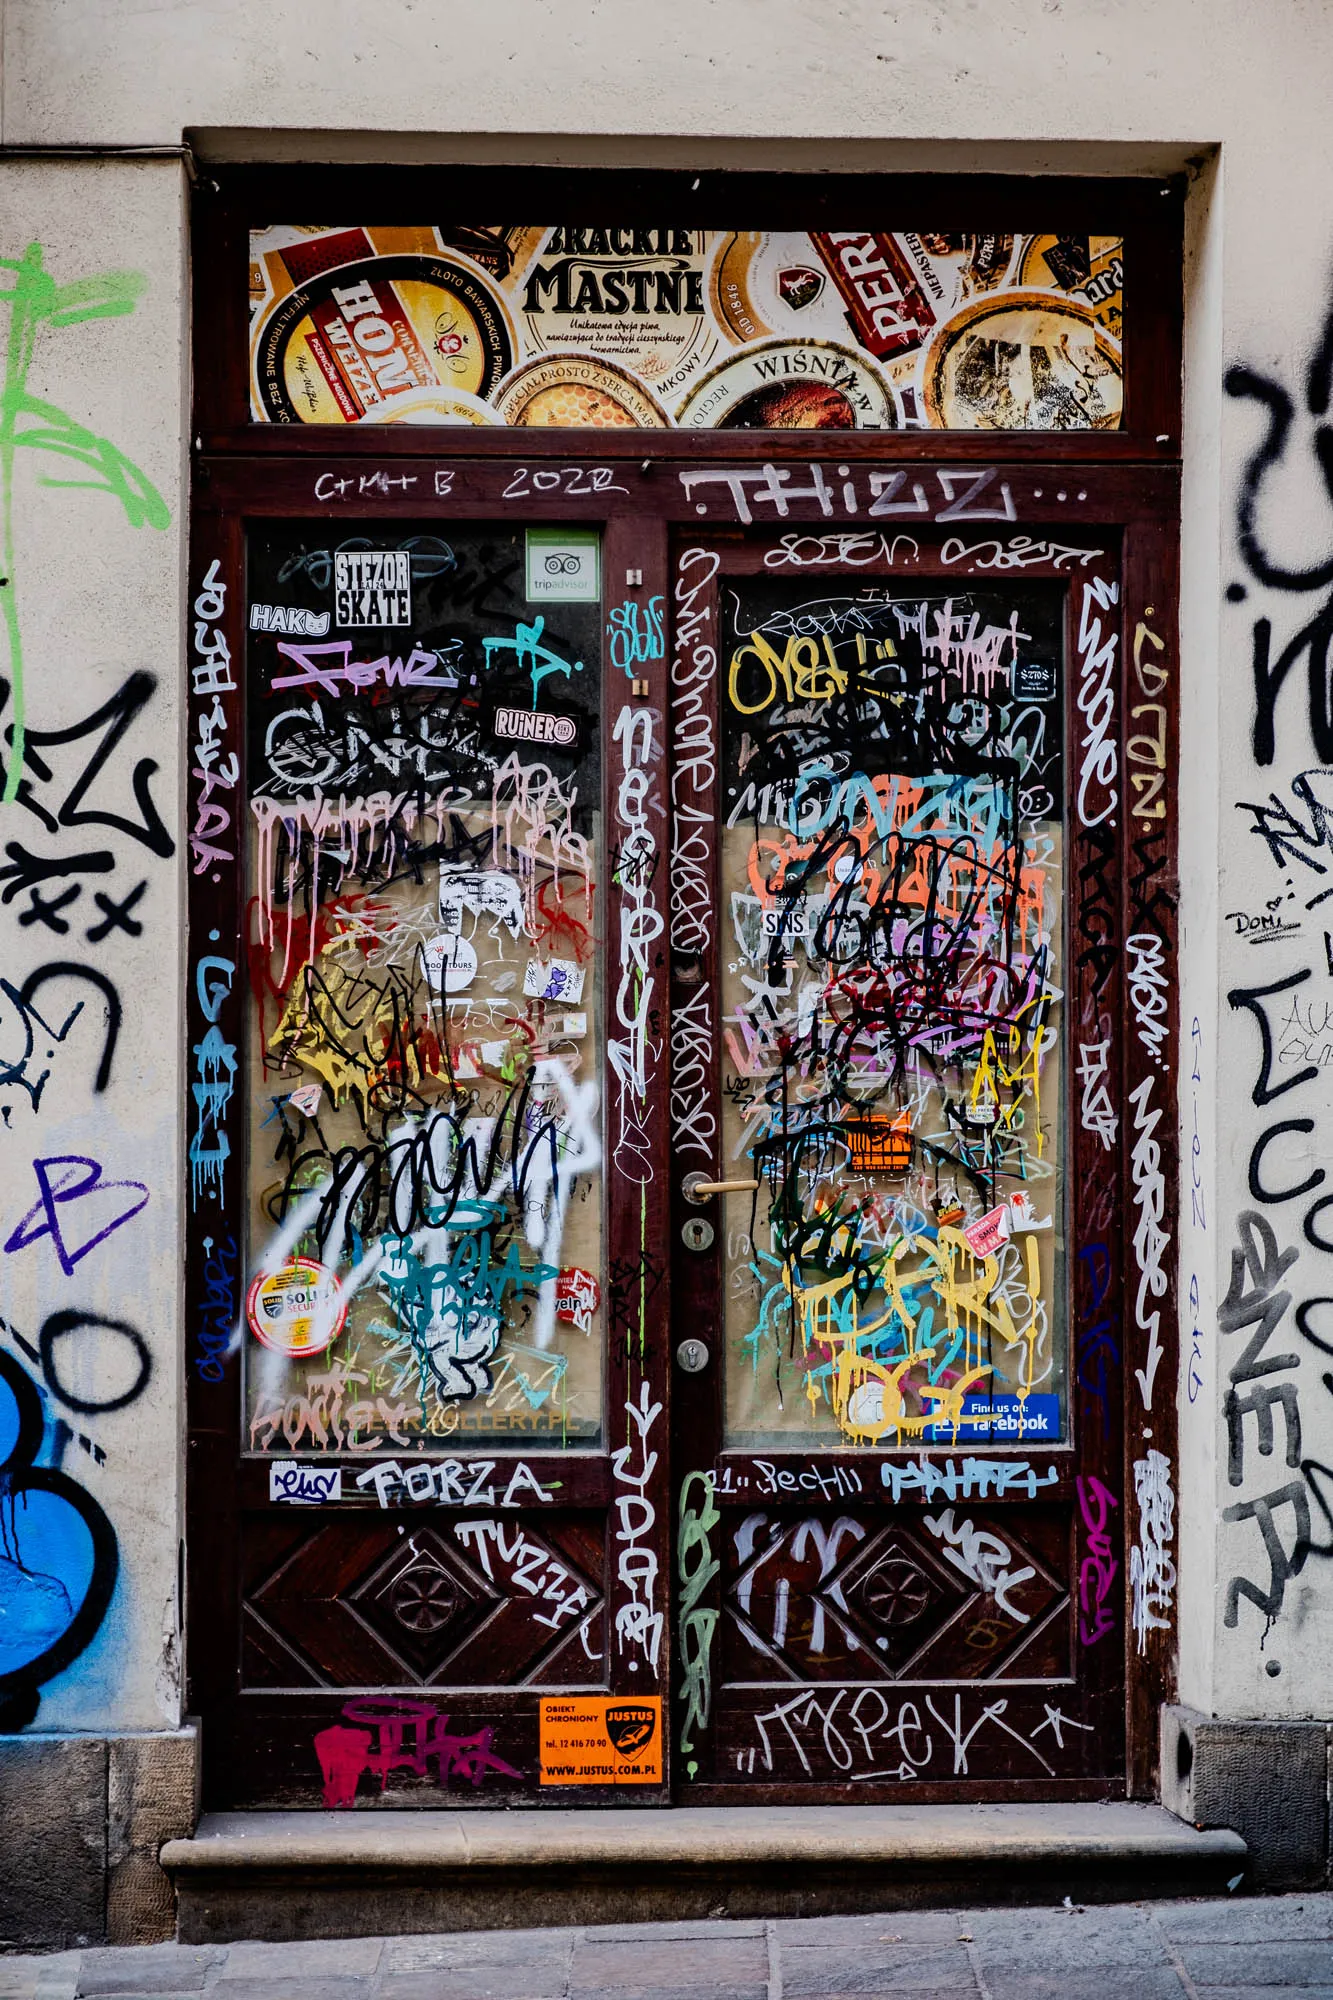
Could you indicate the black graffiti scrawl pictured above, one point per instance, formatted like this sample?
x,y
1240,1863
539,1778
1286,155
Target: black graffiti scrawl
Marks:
x,y
1276,1318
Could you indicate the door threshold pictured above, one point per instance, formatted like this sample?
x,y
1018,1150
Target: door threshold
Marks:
x,y
279,1876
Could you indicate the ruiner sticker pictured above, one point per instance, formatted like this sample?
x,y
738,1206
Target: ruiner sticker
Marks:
x,y
695,328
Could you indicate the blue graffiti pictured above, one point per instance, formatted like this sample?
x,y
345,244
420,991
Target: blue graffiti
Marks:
x,y
58,1557
637,634
530,653
217,1308
57,1189
215,1082
453,1310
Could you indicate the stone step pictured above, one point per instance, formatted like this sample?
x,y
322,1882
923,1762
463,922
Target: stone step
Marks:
x,y
281,1876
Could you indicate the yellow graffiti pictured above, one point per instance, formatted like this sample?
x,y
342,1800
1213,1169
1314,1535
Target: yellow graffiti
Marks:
x,y
800,671
830,1317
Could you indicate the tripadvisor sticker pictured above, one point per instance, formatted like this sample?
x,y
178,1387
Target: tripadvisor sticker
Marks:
x,y
602,1740
563,565
297,1310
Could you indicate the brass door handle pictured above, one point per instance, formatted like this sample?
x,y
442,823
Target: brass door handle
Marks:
x,y
697,1187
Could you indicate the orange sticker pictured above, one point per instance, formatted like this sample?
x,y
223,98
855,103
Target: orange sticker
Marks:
x,y
881,1145
602,1740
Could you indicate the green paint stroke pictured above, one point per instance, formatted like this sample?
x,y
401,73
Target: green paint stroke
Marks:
x,y
27,423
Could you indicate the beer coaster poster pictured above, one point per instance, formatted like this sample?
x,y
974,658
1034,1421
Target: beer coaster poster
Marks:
x,y
602,1740
657,328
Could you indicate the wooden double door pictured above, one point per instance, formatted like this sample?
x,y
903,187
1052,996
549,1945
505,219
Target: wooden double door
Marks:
x,y
668,1158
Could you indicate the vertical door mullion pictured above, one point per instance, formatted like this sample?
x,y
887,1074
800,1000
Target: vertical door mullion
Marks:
x,y
1097,1306
638,1316
213,1195
1150,723
696,1139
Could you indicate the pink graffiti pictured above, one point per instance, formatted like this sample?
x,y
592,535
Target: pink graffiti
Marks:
x,y
402,1736
1098,1568
332,668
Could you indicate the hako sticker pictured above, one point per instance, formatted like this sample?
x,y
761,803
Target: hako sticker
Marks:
x,y
553,979
298,1310
793,385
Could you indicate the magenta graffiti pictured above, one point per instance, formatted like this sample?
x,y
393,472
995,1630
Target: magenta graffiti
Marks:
x,y
1097,1570
56,1190
401,1736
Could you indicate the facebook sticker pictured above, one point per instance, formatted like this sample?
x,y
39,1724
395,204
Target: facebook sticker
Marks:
x,y
1022,1420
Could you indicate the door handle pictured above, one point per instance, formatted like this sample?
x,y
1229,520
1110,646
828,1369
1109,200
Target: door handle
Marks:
x,y
698,1188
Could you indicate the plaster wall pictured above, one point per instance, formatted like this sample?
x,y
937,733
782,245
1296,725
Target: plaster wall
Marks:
x,y
1238,94
93,498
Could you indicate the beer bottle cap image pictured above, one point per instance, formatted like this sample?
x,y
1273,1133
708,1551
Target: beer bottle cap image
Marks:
x,y
349,333
1023,361
298,1310
793,385
563,390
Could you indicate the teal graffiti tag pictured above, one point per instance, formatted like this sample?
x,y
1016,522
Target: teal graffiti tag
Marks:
x,y
28,423
530,653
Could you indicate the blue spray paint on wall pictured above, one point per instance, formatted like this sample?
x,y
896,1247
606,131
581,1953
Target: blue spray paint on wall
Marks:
x,y
58,1556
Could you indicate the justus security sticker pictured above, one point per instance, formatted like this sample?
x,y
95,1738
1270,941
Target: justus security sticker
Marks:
x,y
602,1740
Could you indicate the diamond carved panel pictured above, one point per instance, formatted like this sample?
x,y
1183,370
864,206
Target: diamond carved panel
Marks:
x,y
371,1601
862,1600
422,1601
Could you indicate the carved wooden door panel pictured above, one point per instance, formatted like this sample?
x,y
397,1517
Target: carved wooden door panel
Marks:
x,y
896,1001
427,1102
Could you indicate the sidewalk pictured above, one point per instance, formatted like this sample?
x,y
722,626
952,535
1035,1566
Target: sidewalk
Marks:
x,y
1248,1948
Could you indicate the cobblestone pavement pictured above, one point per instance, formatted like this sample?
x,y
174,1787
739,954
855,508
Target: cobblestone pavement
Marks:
x,y
1248,1948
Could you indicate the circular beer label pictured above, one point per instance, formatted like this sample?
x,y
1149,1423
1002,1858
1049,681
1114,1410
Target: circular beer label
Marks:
x,y
342,347
1089,268
298,1310
792,385
434,406
634,297
577,391
763,285
1022,361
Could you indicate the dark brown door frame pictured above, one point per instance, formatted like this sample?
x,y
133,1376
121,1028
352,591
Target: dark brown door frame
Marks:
x,y
991,487
1112,891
